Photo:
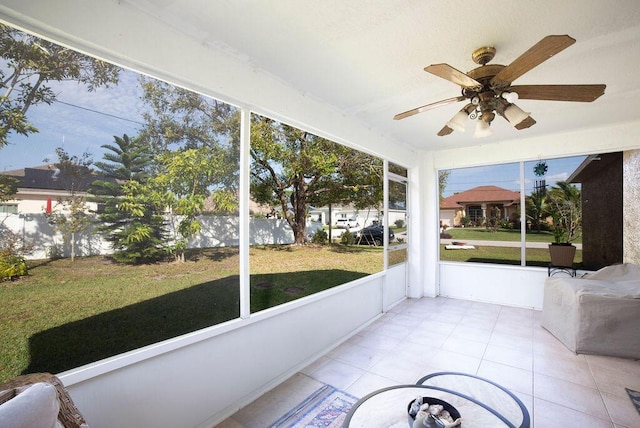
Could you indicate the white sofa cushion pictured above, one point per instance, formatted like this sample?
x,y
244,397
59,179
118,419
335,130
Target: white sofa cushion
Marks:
x,y
35,407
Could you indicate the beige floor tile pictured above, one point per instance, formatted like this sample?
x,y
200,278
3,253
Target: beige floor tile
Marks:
x,y
368,383
400,370
470,331
511,341
229,423
512,378
451,361
514,330
613,375
464,347
570,369
549,415
337,374
621,410
577,397
522,359
268,409
358,356
428,336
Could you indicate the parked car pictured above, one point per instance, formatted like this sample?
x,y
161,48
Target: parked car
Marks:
x,y
372,235
347,223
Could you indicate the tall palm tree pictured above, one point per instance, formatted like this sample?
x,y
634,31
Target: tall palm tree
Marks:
x,y
536,208
565,207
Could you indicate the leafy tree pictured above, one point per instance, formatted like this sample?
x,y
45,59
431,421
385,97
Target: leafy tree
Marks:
x,y
565,208
128,159
177,118
184,180
536,208
72,214
29,64
292,168
142,237
443,179
197,140
8,187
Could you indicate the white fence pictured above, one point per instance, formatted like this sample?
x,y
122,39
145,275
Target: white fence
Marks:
x,y
217,231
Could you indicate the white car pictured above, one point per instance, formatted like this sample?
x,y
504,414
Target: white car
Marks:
x,y
347,223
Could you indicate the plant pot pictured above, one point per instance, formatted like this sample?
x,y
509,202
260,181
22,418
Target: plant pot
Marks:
x,y
562,254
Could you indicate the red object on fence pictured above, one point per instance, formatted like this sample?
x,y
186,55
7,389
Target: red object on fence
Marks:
x,y
48,206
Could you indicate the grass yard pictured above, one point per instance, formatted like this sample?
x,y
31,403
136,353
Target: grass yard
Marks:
x,y
65,314
483,234
503,255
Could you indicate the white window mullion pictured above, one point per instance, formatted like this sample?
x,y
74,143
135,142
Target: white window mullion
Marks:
x,y
245,142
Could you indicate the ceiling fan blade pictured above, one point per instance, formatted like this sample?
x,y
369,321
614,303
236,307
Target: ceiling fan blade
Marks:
x,y
579,93
449,73
536,55
445,131
427,107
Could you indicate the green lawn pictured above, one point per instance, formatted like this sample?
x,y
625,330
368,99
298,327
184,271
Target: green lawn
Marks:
x,y
503,255
481,233
65,314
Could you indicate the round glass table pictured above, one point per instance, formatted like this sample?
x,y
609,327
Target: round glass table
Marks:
x,y
481,403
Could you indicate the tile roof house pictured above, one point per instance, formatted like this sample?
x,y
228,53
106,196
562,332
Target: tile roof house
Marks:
x,y
479,203
40,187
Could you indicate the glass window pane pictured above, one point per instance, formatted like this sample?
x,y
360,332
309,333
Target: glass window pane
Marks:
x,y
550,202
480,214
397,169
307,189
129,228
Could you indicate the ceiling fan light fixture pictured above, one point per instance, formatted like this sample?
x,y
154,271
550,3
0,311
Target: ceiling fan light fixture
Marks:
x,y
510,97
458,121
515,115
482,129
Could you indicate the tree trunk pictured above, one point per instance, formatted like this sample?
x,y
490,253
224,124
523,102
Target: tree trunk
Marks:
x,y
73,246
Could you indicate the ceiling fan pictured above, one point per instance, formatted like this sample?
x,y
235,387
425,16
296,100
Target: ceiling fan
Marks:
x,y
489,91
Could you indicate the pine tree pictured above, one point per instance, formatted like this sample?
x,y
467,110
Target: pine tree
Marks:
x,y
128,218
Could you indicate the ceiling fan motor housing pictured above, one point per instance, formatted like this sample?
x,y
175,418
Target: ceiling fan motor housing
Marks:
x,y
483,55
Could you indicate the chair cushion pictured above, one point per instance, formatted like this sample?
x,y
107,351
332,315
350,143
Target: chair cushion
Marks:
x,y
34,407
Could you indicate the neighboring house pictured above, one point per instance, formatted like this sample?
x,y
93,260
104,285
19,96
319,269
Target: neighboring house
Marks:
x,y
477,204
602,209
40,188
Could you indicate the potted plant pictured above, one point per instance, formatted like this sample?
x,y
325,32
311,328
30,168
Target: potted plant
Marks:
x,y
565,209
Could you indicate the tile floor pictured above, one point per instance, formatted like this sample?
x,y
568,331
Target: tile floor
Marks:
x,y
504,344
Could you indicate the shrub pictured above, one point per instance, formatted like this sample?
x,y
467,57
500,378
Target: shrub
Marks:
x,y
11,266
347,238
320,237
12,251
399,223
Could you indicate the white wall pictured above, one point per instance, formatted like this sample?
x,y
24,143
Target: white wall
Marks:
x,y
483,282
202,378
217,231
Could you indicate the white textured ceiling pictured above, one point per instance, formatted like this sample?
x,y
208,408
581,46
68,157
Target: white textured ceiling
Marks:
x,y
366,58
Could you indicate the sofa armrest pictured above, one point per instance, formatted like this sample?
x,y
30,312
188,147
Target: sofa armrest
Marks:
x,y
69,415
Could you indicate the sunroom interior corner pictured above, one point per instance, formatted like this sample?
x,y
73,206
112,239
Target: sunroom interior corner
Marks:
x,y
201,378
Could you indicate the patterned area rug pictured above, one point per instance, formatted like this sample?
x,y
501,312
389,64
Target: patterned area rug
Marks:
x,y
327,408
635,398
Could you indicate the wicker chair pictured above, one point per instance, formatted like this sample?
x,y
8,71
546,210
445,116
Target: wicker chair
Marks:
x,y
69,415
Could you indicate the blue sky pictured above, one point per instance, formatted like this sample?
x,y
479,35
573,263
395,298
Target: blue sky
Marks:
x,y
116,111
507,176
